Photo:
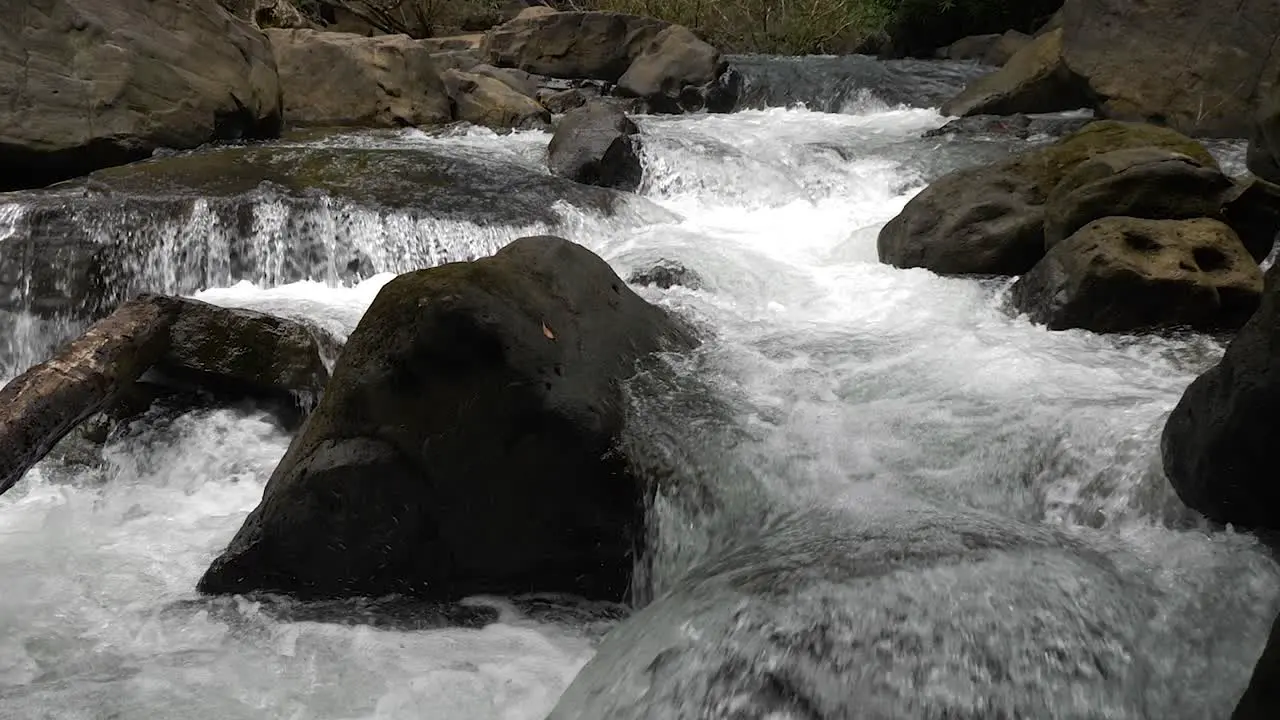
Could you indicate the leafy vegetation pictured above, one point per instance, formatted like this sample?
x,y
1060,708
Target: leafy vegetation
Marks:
x,y
793,27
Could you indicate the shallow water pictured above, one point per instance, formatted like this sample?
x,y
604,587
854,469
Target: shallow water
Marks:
x,y
834,382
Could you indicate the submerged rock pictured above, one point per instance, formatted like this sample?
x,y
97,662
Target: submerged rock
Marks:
x,y
597,145
911,614
1218,446
94,83
485,400
666,274
1019,126
1123,274
989,220
1261,700
341,79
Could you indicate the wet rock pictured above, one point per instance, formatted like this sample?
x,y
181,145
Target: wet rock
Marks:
x,y
832,617
485,399
1003,49
597,145
1218,445
1263,156
989,220
1018,126
1261,700
1252,209
384,81
1138,182
95,84
247,353
489,102
182,223
595,45
666,274
560,102
670,70
43,404
1035,80
1223,68
1123,274
973,47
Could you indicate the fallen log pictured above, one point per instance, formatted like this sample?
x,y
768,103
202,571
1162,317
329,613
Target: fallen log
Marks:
x,y
40,406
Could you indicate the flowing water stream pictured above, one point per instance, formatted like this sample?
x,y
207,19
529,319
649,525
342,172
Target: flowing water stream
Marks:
x,y
904,405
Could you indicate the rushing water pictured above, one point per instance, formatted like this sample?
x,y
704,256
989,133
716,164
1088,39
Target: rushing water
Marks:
x,y
884,410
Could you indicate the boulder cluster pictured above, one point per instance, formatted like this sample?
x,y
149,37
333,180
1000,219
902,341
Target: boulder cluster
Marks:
x,y
198,73
1117,227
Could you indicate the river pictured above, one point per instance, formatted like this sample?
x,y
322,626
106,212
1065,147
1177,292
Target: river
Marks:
x,y
875,395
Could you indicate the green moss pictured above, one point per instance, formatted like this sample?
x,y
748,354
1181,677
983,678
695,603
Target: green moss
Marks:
x,y
365,175
1047,166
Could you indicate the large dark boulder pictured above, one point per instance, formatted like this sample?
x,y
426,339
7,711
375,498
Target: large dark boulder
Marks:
x,y
1034,80
594,45
1252,208
597,145
1122,274
467,441
1144,182
1261,701
1218,445
990,220
1203,67
88,84
384,81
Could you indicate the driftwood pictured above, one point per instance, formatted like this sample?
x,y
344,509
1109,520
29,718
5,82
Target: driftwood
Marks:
x,y
47,401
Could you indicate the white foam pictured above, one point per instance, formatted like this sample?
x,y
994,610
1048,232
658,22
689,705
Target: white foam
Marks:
x,y
853,373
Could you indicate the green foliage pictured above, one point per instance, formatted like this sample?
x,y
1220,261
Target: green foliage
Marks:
x,y
833,26
790,27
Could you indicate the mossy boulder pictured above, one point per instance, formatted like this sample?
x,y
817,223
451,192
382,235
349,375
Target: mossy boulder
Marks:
x,y
990,220
1142,182
1124,274
467,442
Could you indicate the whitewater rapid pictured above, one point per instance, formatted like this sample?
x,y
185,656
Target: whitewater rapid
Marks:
x,y
847,379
